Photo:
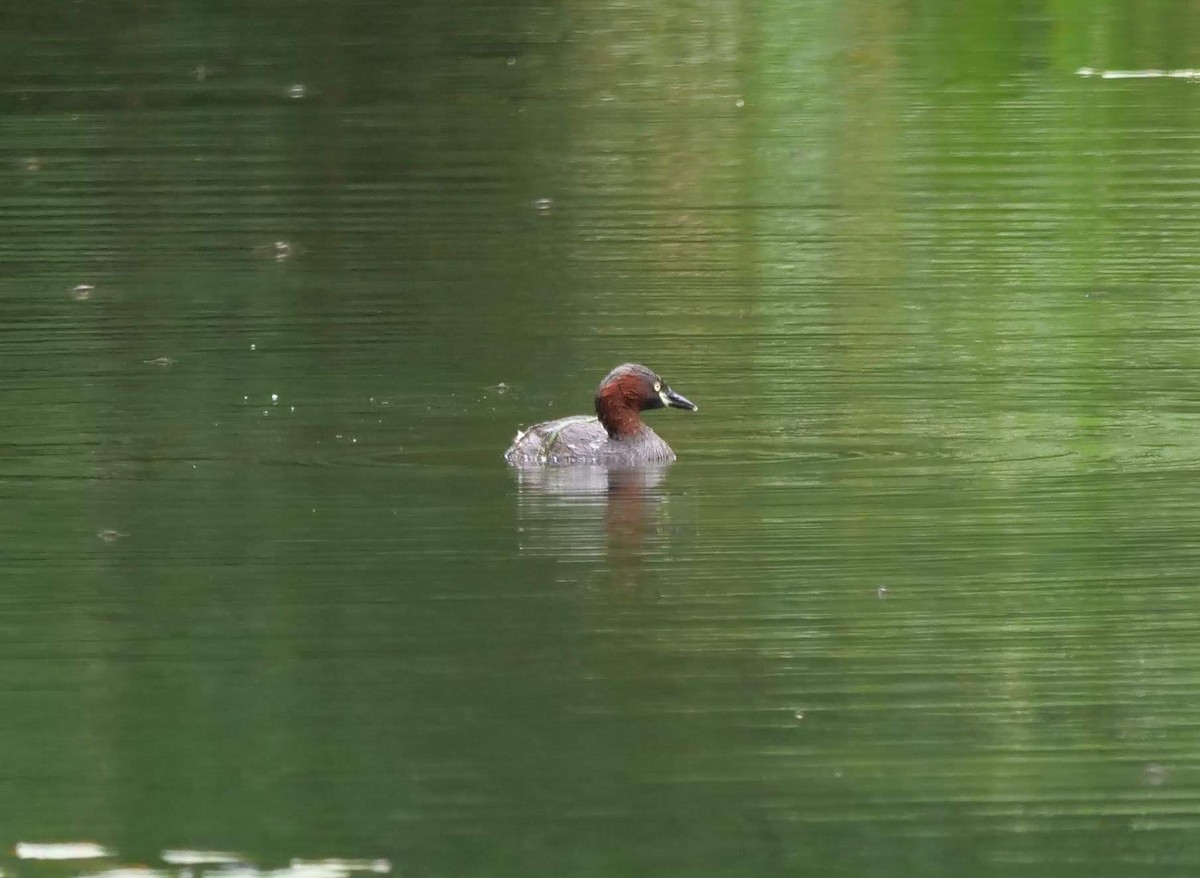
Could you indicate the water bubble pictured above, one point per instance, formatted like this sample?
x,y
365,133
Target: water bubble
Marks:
x,y
82,292
543,204
297,91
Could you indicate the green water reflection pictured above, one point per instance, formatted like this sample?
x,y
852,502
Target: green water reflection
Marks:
x,y
280,281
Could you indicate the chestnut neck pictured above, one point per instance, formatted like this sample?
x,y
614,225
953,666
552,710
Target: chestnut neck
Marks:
x,y
618,406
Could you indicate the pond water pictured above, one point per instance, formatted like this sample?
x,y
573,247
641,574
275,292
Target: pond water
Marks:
x,y
280,283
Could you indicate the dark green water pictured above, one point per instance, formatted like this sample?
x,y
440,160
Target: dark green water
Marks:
x,y
919,598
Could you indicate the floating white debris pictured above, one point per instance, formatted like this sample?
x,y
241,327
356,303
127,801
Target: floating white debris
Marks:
x,y
309,870
543,204
129,872
234,870
297,91
82,292
379,867
274,399
77,850
198,858
1139,74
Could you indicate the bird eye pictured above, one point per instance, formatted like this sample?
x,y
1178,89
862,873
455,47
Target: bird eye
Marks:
x,y
658,387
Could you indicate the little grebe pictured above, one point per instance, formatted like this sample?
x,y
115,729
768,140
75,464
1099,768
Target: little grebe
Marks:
x,y
616,435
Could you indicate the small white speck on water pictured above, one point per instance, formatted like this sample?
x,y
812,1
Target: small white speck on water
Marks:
x,y
739,103
274,399
266,412
543,204
354,441
253,346
297,91
293,408
245,399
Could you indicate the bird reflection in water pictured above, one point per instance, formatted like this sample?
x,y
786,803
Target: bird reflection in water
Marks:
x,y
589,513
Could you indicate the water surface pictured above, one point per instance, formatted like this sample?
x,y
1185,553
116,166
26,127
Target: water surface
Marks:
x,y
279,284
